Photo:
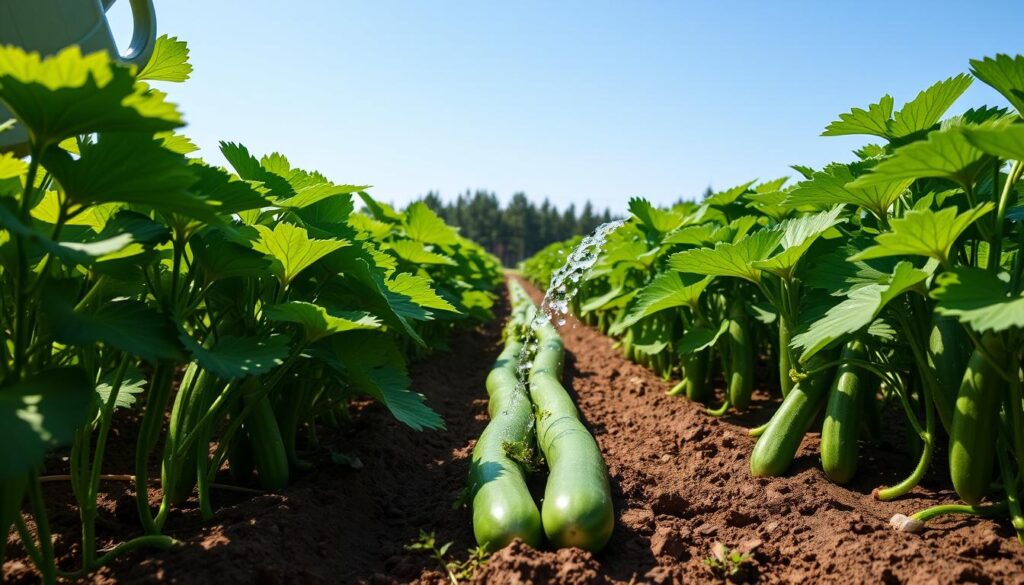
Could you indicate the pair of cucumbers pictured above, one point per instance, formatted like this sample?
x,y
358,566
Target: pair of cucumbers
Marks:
x,y
577,506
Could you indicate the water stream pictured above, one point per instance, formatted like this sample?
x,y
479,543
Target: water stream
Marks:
x,y
564,286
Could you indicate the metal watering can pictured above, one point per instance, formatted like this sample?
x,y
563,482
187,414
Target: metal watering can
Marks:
x,y
47,26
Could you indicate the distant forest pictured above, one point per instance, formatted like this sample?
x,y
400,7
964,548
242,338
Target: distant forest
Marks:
x,y
518,230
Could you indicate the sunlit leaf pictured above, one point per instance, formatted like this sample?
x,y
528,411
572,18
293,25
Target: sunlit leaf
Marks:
x,y
924,232
318,322
978,298
169,61
292,249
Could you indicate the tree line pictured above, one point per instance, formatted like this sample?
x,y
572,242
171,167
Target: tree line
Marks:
x,y
518,230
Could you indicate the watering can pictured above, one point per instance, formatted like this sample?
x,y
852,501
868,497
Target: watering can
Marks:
x,y
47,26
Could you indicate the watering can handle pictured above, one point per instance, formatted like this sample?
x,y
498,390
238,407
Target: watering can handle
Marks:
x,y
144,34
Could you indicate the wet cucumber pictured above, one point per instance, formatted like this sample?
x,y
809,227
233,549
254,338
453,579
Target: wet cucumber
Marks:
x,y
503,508
577,509
841,428
775,448
972,436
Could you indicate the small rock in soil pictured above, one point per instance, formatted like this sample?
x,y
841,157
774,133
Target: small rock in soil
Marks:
x,y
667,542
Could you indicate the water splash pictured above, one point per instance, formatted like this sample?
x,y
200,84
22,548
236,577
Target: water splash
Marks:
x,y
564,285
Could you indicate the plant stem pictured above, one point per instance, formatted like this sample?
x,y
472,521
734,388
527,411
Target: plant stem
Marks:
x,y
49,563
149,432
988,511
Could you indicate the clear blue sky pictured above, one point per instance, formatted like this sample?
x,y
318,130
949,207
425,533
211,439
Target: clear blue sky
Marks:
x,y
568,99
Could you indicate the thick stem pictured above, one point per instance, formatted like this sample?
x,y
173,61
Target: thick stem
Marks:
x,y
149,432
48,568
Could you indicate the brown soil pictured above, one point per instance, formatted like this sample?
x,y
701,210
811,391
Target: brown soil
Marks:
x,y
679,477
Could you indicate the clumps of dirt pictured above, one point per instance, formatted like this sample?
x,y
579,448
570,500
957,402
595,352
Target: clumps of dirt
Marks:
x,y
519,563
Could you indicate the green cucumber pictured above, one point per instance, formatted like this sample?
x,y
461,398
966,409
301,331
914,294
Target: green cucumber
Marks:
x,y
785,358
503,508
268,449
841,428
577,509
775,448
972,437
948,351
695,373
741,357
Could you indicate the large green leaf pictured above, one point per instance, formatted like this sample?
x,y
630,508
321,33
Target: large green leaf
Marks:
x,y
729,259
859,310
423,225
226,192
1002,139
69,94
798,235
978,298
128,325
924,232
292,250
39,413
946,154
927,108
416,289
873,121
233,357
417,253
129,168
657,220
318,322
375,367
668,290
220,258
1005,74
169,61
832,187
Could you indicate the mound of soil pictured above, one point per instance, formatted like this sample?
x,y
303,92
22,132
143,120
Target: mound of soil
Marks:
x,y
680,480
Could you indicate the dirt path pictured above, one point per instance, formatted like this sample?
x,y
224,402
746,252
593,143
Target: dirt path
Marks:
x,y
679,478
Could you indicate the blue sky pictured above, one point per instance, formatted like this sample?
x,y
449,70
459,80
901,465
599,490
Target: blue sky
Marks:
x,y
570,100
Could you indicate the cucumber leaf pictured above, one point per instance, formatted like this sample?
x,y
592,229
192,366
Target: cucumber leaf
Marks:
x,y
169,61
924,232
1005,74
423,225
69,94
39,413
318,322
979,299
291,250
729,259
129,325
233,357
374,366
668,290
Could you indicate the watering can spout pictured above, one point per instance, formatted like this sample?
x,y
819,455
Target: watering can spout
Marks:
x,y
48,26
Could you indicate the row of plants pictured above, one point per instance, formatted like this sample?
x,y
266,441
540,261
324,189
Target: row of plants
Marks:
x,y
890,281
246,306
